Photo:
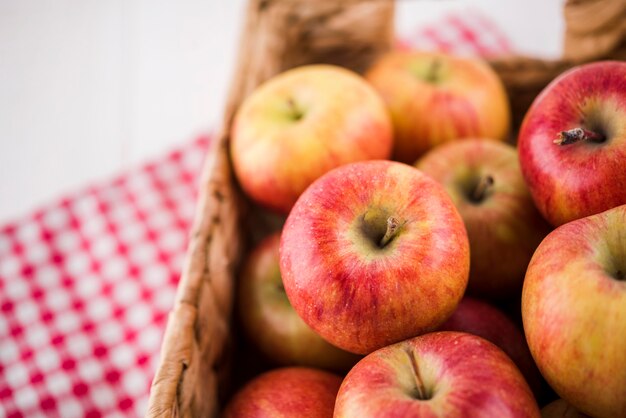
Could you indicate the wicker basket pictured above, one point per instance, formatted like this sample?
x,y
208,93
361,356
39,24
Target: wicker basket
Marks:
x,y
279,34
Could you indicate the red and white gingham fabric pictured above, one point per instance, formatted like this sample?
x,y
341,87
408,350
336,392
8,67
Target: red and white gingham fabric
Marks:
x,y
86,283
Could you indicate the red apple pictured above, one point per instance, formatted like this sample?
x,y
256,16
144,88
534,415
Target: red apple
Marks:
x,y
302,123
503,226
479,318
435,98
270,321
288,392
561,409
374,253
574,312
442,374
572,143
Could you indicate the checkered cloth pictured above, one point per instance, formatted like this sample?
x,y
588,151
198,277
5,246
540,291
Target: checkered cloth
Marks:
x,y
86,283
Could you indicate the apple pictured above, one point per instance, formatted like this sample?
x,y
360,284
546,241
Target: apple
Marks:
x,y
476,317
574,312
373,253
270,321
441,374
435,98
287,392
503,226
572,143
299,125
560,409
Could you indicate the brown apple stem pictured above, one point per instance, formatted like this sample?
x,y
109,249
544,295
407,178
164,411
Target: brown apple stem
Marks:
x,y
390,233
483,187
576,135
420,388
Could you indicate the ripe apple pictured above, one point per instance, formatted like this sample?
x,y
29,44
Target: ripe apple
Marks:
x,y
288,392
480,318
302,123
435,98
270,321
561,409
572,143
373,253
441,374
503,226
574,312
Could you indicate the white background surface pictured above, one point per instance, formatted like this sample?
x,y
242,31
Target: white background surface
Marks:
x,y
92,87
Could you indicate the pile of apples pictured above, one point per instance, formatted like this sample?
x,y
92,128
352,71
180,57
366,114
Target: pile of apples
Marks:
x,y
415,236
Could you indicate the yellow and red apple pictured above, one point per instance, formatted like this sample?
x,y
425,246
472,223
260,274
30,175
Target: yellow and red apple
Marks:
x,y
291,392
574,312
299,125
373,253
435,98
441,374
572,143
504,228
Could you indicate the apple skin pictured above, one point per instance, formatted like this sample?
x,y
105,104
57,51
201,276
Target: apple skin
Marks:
x,y
561,409
462,375
574,312
287,392
476,317
299,125
572,181
435,98
358,295
270,321
504,227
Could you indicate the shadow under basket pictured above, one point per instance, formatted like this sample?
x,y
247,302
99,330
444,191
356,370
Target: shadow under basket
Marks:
x,y
198,354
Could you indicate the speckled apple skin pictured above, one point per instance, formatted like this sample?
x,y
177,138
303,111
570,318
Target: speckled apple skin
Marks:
x,y
466,376
569,182
574,313
356,295
505,228
344,120
270,321
468,101
291,392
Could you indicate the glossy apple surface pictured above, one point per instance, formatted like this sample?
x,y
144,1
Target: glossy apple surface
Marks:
x,y
270,321
504,228
574,312
435,98
299,125
570,181
356,290
477,317
436,375
288,392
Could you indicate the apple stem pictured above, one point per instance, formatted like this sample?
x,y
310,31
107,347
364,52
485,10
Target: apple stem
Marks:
x,y
419,384
390,233
482,188
578,134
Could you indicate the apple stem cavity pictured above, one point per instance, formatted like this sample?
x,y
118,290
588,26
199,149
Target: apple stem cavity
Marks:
x,y
296,114
484,186
433,71
393,225
576,135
